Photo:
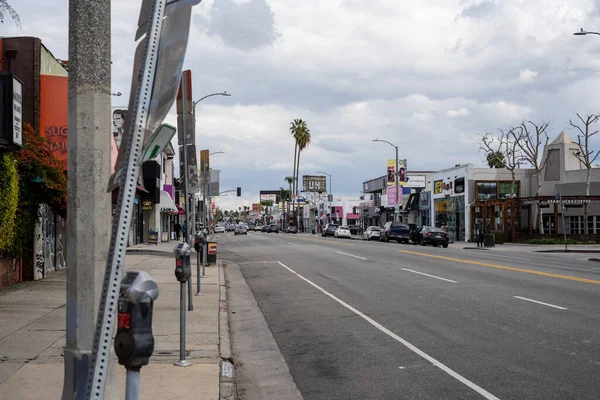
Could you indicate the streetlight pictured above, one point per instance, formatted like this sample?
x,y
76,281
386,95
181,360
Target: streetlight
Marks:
x,y
396,208
330,195
207,185
209,95
583,32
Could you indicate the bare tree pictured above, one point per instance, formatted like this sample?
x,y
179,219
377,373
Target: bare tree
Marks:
x,y
493,147
5,8
585,154
531,138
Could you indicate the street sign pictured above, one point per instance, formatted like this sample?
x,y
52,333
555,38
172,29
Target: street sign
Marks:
x,y
397,210
156,74
159,141
194,180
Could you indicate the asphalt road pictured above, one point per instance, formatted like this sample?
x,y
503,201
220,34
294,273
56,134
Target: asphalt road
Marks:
x,y
369,320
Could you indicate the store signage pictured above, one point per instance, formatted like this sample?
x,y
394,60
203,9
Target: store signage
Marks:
x,y
212,248
459,185
415,181
314,183
147,205
449,187
11,109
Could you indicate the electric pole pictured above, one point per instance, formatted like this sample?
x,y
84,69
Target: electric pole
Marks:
x,y
89,204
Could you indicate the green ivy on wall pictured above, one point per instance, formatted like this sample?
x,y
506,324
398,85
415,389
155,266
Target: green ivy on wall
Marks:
x,y
9,198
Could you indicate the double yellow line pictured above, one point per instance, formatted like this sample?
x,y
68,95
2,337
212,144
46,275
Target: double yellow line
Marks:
x,y
483,264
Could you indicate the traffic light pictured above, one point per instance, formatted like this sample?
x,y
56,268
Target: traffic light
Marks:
x,y
239,191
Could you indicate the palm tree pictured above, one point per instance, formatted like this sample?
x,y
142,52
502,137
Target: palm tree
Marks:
x,y
5,8
299,130
303,142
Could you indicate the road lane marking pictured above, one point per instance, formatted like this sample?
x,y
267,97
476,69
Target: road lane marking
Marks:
x,y
525,271
433,276
326,241
539,302
407,344
350,255
294,244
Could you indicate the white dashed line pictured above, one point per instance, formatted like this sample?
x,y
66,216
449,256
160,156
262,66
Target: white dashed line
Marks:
x,y
539,302
350,255
432,276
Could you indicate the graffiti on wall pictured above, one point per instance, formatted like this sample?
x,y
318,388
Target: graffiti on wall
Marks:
x,y
49,243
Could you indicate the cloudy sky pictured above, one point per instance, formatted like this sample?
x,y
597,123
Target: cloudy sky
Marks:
x,y
427,75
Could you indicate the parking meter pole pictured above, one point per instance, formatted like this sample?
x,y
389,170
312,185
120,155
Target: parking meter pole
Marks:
x,y
132,384
189,292
183,274
198,290
186,188
205,257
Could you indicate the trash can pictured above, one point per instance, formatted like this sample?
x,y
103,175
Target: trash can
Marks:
x,y
211,258
489,240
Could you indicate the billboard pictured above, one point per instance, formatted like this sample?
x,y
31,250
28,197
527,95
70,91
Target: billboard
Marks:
x,y
391,171
416,181
314,183
267,197
391,196
54,118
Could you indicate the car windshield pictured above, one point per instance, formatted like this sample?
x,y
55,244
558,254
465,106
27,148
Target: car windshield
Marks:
x,y
374,228
436,230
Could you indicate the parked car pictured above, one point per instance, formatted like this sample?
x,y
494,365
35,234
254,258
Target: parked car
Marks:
x,y
329,230
273,228
430,235
343,232
219,229
371,233
241,230
265,228
258,228
292,229
395,231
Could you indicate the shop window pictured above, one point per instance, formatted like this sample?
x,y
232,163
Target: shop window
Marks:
x,y
575,225
548,224
487,191
504,190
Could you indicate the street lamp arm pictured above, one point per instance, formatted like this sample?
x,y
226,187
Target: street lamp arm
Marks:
x,y
227,191
583,32
322,172
210,95
385,141
217,152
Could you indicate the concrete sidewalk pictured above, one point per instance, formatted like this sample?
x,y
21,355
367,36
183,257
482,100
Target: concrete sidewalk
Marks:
x,y
32,334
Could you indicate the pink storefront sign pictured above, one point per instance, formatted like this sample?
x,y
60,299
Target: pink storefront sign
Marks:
x,y
391,196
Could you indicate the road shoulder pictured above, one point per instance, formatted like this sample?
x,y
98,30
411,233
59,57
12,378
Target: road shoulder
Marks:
x,y
261,370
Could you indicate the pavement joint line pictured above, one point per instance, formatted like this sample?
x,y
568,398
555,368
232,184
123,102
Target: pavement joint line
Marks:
x,y
326,241
539,302
350,255
504,267
487,395
432,276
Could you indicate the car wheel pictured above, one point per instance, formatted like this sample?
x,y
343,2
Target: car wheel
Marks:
x,y
445,246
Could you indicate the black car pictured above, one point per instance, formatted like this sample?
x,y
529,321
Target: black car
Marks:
x,y
265,228
396,231
329,230
355,230
429,235
273,228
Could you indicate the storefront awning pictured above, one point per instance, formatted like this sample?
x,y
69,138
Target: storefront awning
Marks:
x,y
413,202
352,216
167,205
323,216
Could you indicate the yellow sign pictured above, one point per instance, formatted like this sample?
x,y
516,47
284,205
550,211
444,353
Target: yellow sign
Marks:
x,y
212,248
437,187
147,205
204,160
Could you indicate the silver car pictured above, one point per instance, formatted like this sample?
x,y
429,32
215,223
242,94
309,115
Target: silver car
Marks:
x,y
240,229
372,232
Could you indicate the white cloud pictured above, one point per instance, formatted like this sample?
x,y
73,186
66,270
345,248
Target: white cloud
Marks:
x,y
462,112
356,70
527,75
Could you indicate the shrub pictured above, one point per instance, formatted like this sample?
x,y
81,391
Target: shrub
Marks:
x,y
9,199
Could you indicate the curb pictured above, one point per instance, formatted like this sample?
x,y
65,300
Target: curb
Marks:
x,y
227,386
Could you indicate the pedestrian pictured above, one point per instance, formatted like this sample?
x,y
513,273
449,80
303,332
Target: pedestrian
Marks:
x,y
178,230
184,230
479,235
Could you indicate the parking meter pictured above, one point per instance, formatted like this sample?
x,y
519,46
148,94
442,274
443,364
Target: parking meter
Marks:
x,y
182,262
198,240
134,342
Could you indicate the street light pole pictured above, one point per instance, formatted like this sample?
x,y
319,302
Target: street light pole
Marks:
x,y
396,205
583,32
210,197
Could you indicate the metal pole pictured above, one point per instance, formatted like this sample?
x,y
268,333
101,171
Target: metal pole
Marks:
x,y
198,291
186,188
331,195
89,205
182,361
396,211
204,257
132,384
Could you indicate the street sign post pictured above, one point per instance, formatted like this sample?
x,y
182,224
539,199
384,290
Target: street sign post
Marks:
x,y
157,71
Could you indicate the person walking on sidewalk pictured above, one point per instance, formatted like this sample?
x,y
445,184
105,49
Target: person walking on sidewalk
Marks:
x,y
184,230
178,230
